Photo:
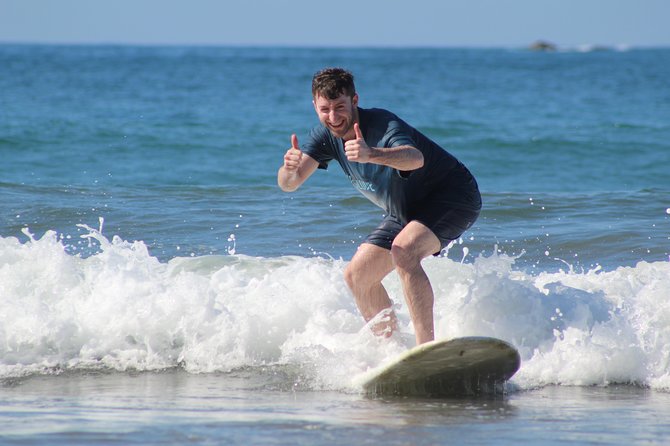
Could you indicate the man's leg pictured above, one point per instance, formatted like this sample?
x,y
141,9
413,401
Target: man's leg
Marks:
x,y
364,275
414,243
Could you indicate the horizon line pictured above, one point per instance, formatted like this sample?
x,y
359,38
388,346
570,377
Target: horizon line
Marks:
x,y
558,47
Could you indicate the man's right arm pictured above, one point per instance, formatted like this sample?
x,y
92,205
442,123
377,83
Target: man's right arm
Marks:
x,y
296,169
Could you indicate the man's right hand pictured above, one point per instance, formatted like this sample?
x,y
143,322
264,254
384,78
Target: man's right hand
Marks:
x,y
293,155
296,168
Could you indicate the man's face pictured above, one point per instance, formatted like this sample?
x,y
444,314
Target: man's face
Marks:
x,y
337,115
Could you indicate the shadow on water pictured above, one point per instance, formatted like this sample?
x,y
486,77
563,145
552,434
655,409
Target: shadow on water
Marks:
x,y
250,406
238,407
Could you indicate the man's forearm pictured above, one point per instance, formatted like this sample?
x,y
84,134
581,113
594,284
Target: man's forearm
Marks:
x,y
287,180
402,157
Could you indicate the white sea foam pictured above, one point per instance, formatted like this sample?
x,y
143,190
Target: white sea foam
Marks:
x,y
123,309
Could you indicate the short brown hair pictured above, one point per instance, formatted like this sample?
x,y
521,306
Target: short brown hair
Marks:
x,y
330,83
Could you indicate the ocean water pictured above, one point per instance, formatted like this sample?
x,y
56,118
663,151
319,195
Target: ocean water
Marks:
x,y
157,287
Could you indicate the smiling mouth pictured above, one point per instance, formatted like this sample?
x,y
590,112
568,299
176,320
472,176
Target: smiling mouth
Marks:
x,y
339,126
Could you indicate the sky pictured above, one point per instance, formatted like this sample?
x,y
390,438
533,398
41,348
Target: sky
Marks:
x,y
432,23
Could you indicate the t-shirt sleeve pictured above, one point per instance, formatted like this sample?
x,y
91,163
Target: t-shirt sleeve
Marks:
x,y
398,134
318,146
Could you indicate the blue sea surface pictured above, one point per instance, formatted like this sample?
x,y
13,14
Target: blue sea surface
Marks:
x,y
179,146
145,245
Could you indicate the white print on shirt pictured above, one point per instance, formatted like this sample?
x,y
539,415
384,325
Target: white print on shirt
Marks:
x,y
361,185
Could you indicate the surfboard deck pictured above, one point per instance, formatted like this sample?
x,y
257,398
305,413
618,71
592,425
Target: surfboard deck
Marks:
x,y
461,366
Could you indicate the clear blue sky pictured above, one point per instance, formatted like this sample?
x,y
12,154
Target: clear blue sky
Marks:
x,y
338,22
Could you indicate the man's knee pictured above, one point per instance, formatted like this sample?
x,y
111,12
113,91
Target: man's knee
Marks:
x,y
415,242
367,268
359,278
350,275
404,256
356,277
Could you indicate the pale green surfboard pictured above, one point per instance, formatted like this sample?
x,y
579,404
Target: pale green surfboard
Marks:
x,y
461,366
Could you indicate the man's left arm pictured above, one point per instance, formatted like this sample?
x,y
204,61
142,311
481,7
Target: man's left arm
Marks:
x,y
403,158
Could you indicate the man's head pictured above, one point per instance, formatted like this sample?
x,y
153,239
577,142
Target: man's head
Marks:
x,y
336,101
330,83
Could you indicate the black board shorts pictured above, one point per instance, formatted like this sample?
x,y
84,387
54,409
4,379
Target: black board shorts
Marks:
x,y
447,226
438,213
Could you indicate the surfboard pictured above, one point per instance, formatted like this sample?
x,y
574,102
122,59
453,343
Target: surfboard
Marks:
x,y
461,366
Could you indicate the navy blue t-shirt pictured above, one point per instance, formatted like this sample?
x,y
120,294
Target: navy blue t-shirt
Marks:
x,y
385,186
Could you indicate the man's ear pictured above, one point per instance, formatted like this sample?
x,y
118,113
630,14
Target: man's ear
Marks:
x,y
354,100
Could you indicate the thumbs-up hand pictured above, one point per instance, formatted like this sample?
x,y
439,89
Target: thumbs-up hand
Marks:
x,y
357,149
293,155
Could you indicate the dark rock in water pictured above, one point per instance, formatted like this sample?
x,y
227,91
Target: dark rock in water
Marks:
x,y
591,48
542,45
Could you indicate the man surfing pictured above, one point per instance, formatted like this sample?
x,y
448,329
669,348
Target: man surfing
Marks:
x,y
429,197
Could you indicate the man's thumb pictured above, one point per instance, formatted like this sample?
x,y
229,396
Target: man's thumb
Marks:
x,y
294,142
357,131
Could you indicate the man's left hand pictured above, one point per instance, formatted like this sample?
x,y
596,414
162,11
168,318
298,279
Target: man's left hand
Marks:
x,y
357,149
